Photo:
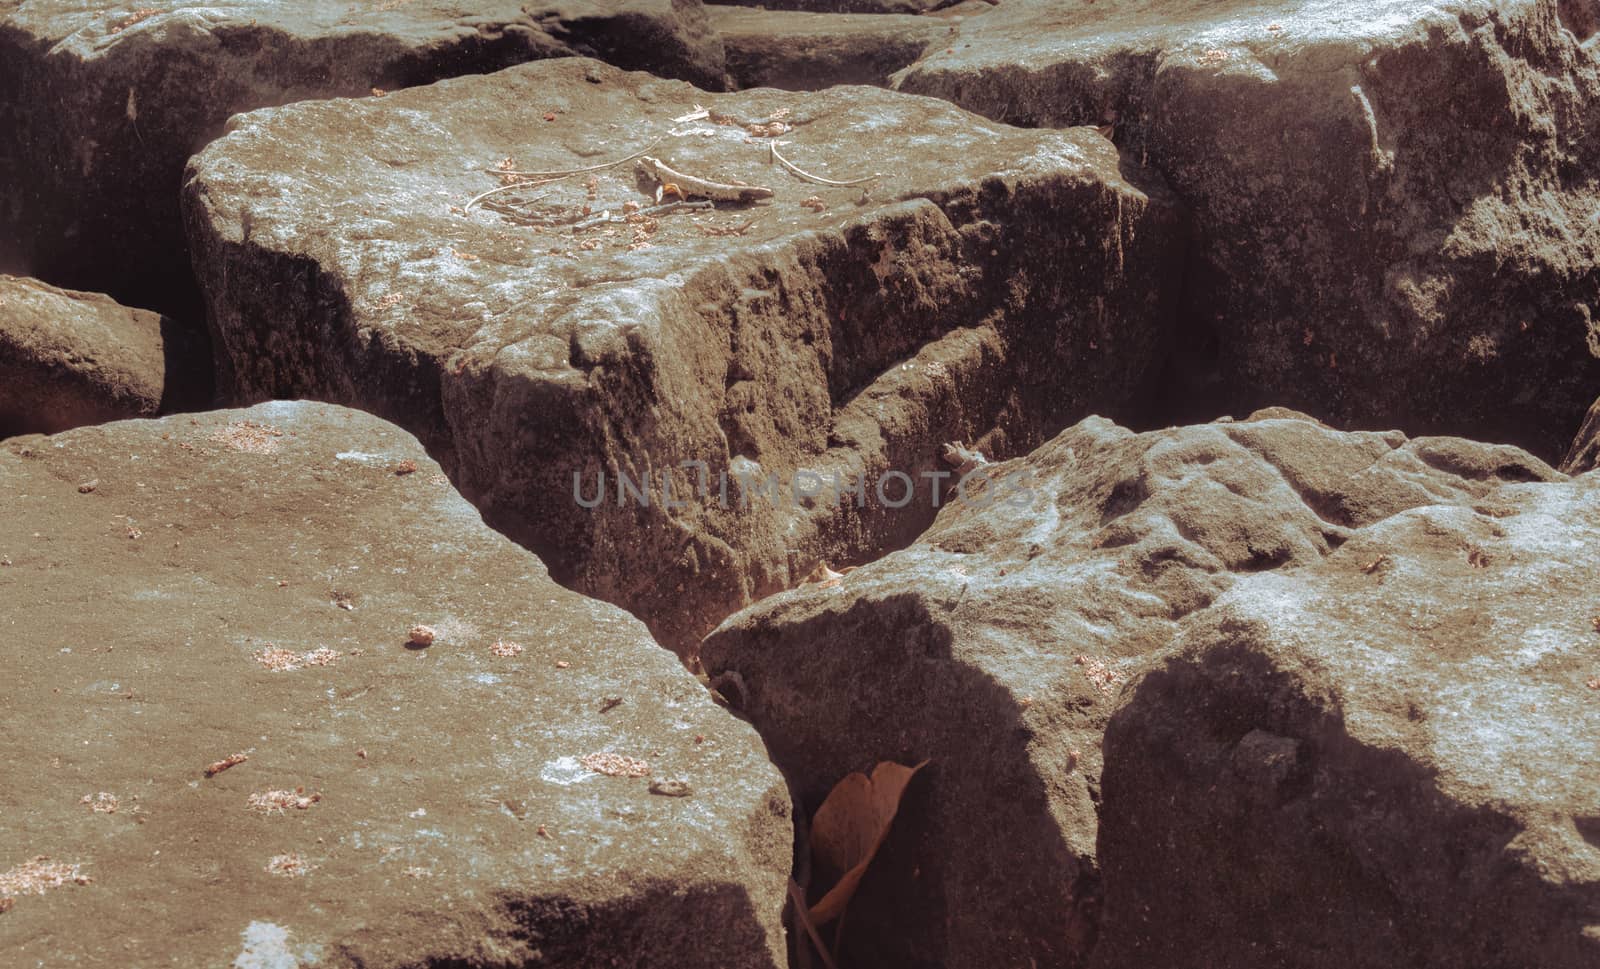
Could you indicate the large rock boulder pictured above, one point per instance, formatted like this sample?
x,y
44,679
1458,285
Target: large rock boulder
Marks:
x,y
177,592
801,51
70,358
1365,766
995,645
989,285
1395,203
101,103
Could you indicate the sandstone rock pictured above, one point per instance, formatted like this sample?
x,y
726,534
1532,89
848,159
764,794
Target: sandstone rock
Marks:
x,y
1584,453
854,6
101,103
70,358
1394,203
995,646
993,284
801,51
242,583
1358,767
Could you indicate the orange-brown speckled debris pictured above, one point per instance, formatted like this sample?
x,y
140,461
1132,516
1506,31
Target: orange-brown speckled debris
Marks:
x,y
39,876
290,865
616,765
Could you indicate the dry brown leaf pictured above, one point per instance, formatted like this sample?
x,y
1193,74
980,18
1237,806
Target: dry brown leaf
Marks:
x,y
823,576
232,760
850,827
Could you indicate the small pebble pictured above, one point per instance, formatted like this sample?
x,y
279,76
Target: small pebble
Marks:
x,y
670,788
422,635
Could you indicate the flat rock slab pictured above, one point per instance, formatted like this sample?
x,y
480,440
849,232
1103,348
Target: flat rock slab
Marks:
x,y
990,284
179,591
801,51
101,104
995,646
1396,223
69,358
1374,766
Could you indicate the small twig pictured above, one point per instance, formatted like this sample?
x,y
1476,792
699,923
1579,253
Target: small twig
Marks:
x,y
729,230
504,188
600,219
569,172
605,217
803,916
704,188
818,179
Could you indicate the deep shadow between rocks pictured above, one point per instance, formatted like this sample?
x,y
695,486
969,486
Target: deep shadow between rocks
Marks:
x,y
978,807
191,383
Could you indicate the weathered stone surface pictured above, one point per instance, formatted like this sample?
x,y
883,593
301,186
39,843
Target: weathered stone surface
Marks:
x,y
993,284
70,358
101,104
447,819
852,6
1584,454
1396,206
1360,767
801,51
995,645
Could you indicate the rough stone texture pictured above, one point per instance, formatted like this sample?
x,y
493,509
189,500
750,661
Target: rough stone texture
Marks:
x,y
1584,454
70,358
994,646
854,6
455,824
101,104
994,284
801,51
1352,768
1396,214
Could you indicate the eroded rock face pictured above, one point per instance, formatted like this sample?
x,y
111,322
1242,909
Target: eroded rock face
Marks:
x,y
1395,203
995,646
175,592
1584,454
70,358
101,104
1373,766
801,51
992,284
855,6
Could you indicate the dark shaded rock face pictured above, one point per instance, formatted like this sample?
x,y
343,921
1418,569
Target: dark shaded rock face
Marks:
x,y
101,104
1395,204
995,645
992,284
398,806
1584,454
70,358
1369,767
801,51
